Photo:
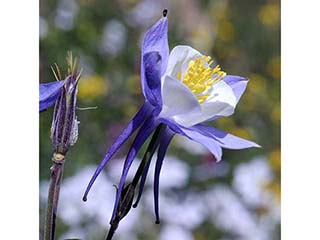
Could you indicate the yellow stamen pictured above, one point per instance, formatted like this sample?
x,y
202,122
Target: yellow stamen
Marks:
x,y
179,76
200,77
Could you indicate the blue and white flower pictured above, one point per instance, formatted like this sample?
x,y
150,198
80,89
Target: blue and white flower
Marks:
x,y
182,89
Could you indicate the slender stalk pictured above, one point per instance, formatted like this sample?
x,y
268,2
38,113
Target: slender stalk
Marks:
x,y
53,198
111,232
149,153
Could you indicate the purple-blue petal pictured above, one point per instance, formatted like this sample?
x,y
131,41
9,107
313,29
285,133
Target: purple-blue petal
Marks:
x,y
173,126
238,84
210,143
164,143
144,132
155,40
49,93
225,140
142,183
152,67
198,136
144,112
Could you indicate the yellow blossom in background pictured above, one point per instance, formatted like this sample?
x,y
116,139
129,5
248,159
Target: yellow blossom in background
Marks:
x,y
275,163
274,67
257,83
269,14
275,187
248,102
226,123
226,31
133,84
241,132
276,113
256,89
275,160
92,87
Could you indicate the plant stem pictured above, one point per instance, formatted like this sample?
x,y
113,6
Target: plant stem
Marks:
x,y
111,232
149,153
128,192
53,198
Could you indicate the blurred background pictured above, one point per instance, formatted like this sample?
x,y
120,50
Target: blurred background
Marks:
x,y
238,198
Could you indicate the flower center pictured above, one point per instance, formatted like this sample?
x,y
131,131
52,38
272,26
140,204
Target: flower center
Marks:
x,y
200,77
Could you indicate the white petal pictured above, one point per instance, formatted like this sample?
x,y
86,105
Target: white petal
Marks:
x,y
222,102
222,92
177,99
179,59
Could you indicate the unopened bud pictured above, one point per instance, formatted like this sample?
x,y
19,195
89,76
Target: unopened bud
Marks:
x,y
64,129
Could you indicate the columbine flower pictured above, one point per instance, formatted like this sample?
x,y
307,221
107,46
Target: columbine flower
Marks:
x,y
181,89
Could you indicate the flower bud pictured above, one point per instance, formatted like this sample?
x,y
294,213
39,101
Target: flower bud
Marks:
x,y
64,128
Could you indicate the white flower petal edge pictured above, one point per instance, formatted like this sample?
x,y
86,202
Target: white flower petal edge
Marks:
x,y
179,59
221,102
177,99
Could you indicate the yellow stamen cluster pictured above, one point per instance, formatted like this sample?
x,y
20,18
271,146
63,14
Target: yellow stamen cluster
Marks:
x,y
200,77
